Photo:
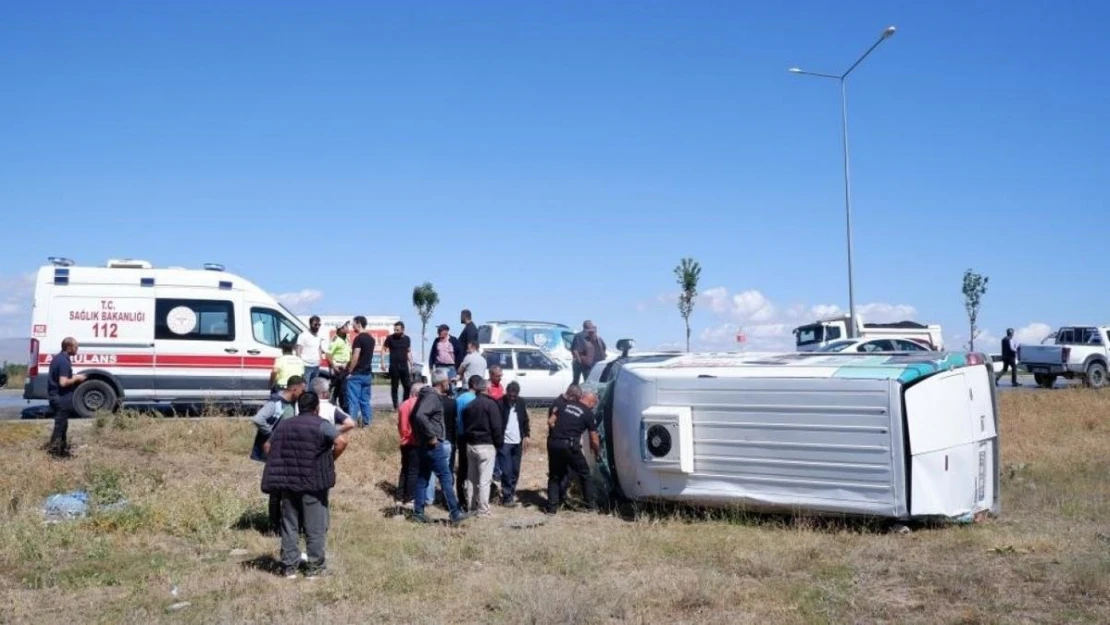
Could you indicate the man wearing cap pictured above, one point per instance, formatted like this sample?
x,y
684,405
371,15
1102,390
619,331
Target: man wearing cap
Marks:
x,y
447,352
588,349
429,432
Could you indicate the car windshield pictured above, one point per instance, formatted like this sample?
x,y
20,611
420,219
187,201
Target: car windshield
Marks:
x,y
835,346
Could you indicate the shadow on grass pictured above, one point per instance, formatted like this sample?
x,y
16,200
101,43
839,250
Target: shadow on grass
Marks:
x,y
255,520
265,564
392,512
636,512
389,488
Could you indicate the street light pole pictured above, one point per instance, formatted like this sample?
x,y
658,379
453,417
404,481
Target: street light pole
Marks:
x,y
842,80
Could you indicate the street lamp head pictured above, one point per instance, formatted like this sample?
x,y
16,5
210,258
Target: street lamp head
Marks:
x,y
795,70
889,32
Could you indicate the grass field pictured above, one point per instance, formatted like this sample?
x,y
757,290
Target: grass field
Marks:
x,y
196,508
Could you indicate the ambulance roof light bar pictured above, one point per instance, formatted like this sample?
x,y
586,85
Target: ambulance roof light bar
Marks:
x,y
213,267
59,261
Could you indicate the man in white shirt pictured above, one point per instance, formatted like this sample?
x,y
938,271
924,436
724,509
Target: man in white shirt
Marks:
x,y
329,411
310,348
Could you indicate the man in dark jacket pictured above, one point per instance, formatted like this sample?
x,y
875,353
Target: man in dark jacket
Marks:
x,y
300,467
484,435
1009,359
469,332
514,414
429,432
588,349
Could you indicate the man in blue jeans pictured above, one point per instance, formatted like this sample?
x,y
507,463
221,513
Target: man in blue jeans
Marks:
x,y
430,433
361,370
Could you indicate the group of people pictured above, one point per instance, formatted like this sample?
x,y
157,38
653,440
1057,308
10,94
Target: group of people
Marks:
x,y
473,442
350,363
467,441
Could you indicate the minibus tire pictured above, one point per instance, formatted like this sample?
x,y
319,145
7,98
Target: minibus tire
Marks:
x,y
93,396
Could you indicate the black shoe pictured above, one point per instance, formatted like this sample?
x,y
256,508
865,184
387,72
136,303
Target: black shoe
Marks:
x,y
419,518
459,519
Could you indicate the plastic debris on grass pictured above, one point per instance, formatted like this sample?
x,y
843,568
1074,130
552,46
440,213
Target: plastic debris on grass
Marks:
x,y
74,505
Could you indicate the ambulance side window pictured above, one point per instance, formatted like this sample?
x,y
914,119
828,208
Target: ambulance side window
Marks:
x,y
194,320
271,328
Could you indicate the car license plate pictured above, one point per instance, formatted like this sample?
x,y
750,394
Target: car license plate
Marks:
x,y
1040,369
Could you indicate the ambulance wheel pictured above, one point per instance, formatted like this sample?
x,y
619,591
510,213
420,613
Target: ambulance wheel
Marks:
x,y
93,396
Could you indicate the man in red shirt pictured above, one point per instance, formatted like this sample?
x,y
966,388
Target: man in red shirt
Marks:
x,y
496,390
410,450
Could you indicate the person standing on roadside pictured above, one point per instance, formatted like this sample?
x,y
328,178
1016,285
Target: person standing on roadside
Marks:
x,y
564,452
496,390
429,431
588,349
300,470
339,356
469,332
281,406
514,415
410,450
360,373
310,348
462,470
484,436
447,352
1009,358
286,366
398,346
328,410
60,384
473,364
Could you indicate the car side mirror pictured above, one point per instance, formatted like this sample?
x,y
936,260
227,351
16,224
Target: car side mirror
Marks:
x,y
554,368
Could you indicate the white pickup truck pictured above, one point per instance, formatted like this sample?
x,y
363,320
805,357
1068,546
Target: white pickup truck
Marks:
x,y
1079,352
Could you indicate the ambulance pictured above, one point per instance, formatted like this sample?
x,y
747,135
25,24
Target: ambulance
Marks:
x,y
154,335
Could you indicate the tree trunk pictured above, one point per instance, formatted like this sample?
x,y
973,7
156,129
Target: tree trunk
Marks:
x,y
423,339
971,340
687,336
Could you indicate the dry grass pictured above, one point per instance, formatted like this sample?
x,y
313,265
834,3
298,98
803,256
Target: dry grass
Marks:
x,y
195,498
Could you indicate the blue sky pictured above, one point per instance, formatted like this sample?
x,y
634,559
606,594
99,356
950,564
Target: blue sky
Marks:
x,y
556,160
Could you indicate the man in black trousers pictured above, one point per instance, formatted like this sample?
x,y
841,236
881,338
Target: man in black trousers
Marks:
x,y
1009,358
61,382
398,346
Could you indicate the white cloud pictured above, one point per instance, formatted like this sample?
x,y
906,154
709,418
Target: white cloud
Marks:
x,y
990,342
17,293
765,325
1033,333
297,300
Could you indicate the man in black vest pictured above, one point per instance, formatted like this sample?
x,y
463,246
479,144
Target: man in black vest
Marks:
x,y
300,467
1009,358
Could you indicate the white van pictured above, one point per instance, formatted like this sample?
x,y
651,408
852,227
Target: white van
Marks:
x,y
156,335
900,436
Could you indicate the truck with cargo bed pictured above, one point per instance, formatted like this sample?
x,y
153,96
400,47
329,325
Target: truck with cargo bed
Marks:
x,y
1077,352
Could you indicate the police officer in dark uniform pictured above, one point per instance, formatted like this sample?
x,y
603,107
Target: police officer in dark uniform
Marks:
x,y
567,423
61,382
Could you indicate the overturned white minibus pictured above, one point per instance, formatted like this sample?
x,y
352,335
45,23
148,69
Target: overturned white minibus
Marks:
x,y
901,436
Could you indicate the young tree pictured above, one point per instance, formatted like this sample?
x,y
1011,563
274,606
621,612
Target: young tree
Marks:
x,y
975,286
687,274
424,300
